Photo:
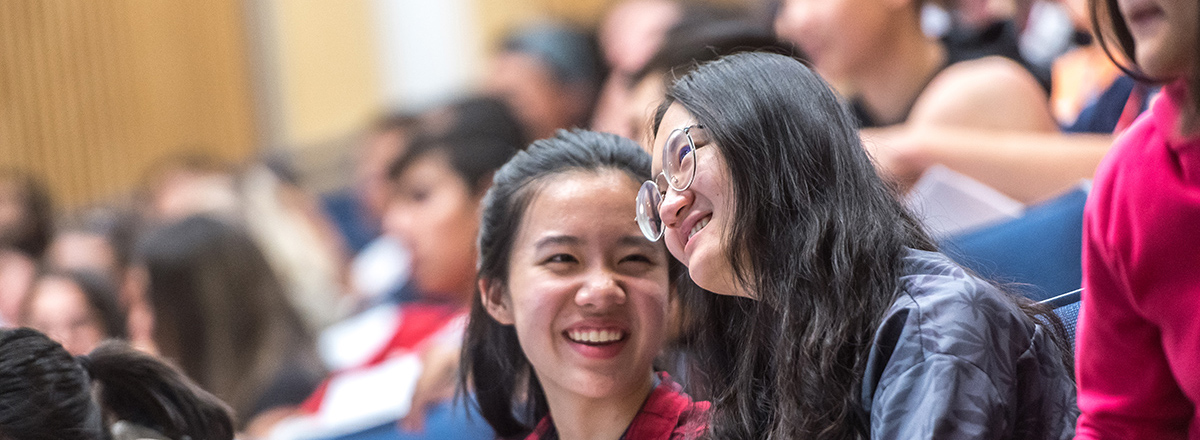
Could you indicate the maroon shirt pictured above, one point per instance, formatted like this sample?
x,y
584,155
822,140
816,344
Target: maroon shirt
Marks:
x,y
667,414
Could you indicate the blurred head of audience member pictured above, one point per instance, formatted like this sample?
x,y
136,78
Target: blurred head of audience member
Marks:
x,y
79,309
263,197
97,239
114,393
386,141
842,37
633,30
628,34
17,271
550,74
220,313
25,228
182,185
437,186
684,48
26,213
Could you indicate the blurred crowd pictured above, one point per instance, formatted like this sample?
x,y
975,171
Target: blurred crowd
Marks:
x,y
341,314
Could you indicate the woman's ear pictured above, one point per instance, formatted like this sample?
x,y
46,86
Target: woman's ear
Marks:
x,y
497,304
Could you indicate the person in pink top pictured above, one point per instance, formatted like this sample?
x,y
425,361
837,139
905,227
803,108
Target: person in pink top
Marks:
x,y
1138,356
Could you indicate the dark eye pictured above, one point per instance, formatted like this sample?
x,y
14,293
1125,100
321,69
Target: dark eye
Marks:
x,y
637,258
684,150
419,195
561,258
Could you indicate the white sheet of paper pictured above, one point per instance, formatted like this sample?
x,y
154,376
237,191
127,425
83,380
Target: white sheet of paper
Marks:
x,y
949,203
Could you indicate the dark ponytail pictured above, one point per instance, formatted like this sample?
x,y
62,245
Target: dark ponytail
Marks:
x,y
138,388
45,393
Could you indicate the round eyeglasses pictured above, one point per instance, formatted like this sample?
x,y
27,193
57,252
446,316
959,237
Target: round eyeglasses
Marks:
x,y
679,169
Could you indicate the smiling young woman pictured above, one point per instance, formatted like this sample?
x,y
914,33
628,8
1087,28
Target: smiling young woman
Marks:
x,y
856,326
573,300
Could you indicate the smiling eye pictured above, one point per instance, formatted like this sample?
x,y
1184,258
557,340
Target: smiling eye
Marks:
x,y
637,258
561,258
637,264
415,194
684,150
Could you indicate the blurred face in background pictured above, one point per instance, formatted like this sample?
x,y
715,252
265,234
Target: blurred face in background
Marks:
x,y
540,101
59,308
16,274
634,30
436,215
12,209
380,149
78,250
183,192
644,98
839,36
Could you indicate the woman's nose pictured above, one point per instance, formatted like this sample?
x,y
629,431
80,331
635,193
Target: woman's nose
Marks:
x,y
600,292
674,206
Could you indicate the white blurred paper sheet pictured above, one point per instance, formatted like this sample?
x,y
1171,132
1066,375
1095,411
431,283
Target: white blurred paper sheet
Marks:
x,y
950,203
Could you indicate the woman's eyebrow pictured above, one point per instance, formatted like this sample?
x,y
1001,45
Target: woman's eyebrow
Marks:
x,y
636,241
556,240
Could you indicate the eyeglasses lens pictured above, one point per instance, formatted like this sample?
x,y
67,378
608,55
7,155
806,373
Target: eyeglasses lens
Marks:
x,y
648,220
679,160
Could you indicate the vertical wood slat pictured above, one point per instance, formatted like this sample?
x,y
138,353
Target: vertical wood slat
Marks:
x,y
93,91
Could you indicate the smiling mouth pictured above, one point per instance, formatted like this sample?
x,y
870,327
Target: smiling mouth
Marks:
x,y
595,337
699,225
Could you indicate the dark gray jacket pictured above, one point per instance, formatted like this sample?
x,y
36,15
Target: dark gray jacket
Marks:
x,y
956,359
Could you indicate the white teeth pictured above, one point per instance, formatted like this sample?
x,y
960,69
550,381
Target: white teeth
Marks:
x,y
595,336
699,225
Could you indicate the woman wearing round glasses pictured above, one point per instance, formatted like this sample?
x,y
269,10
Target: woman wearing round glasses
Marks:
x,y
855,326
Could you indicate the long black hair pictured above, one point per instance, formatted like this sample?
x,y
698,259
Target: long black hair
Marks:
x,y
1110,28
508,393
48,394
827,235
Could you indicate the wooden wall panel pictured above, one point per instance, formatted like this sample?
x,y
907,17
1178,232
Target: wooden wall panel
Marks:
x,y
92,91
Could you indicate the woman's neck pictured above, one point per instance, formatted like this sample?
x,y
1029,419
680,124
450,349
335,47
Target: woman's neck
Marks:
x,y
580,418
898,73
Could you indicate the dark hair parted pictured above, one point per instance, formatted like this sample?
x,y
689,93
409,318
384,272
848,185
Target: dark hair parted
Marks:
x,y
1110,28
48,394
819,241
493,362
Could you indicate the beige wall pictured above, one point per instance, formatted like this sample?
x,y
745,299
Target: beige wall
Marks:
x,y
92,91
323,76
